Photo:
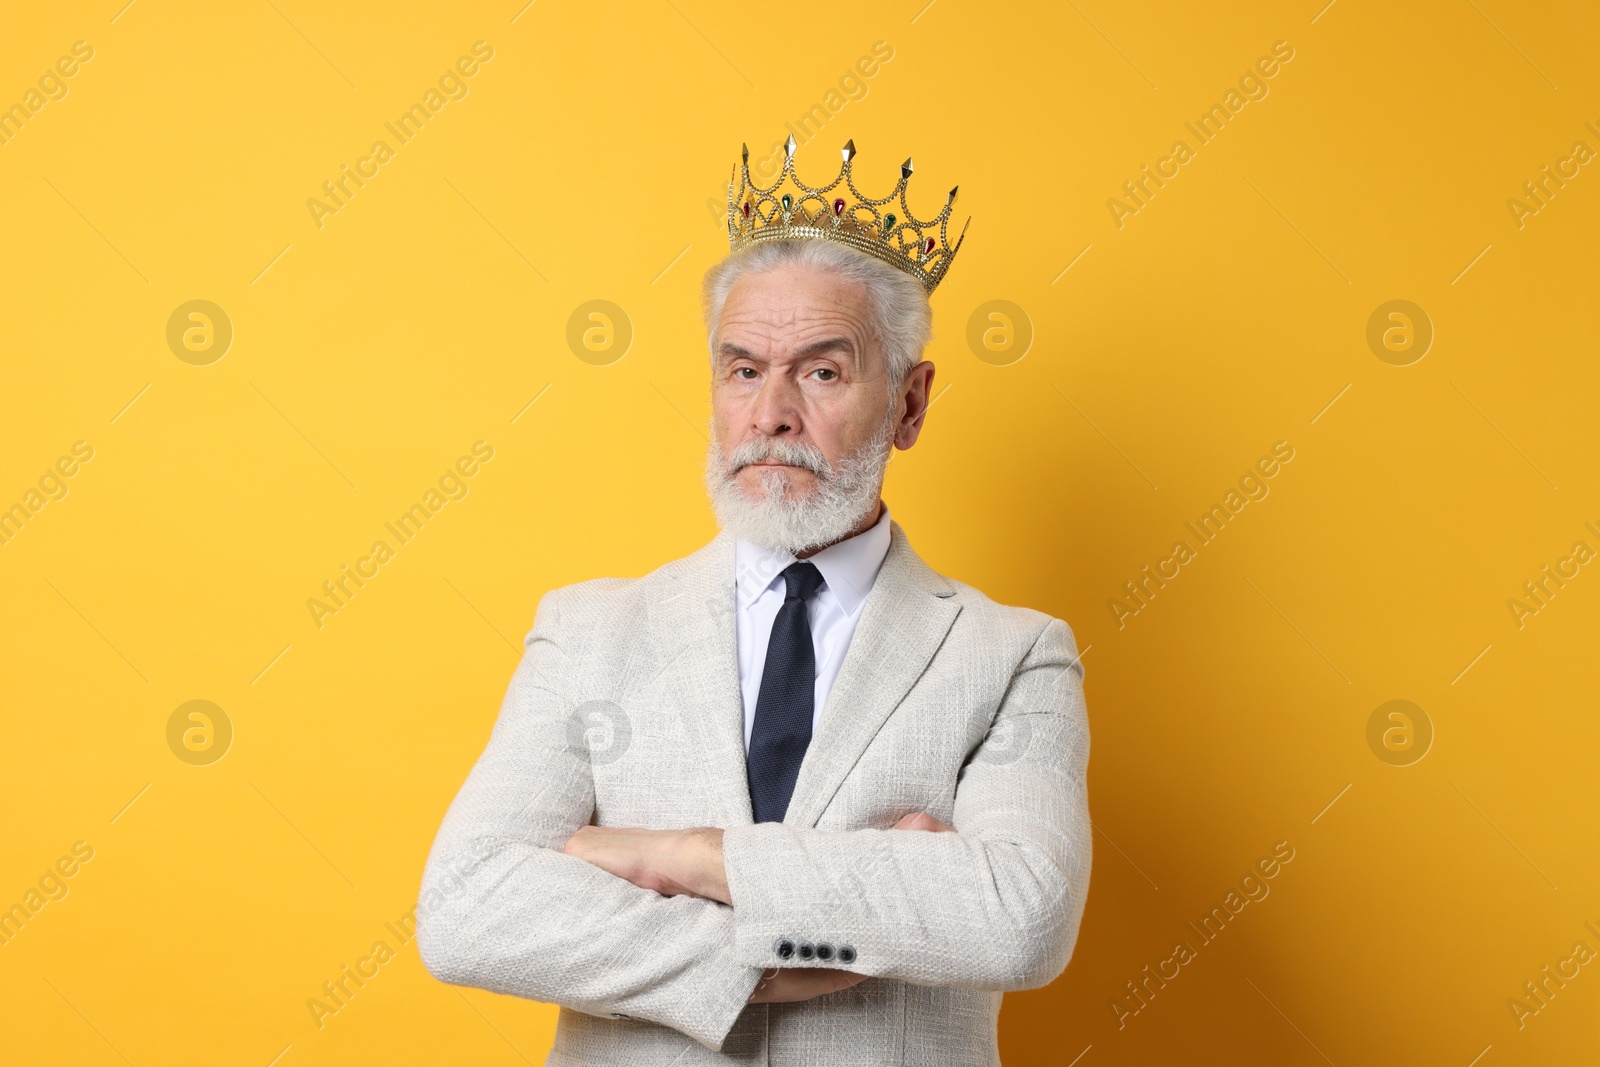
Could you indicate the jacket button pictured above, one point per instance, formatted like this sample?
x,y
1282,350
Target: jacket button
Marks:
x,y
824,951
847,954
807,950
784,949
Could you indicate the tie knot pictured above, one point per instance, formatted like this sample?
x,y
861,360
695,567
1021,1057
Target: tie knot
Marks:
x,y
802,580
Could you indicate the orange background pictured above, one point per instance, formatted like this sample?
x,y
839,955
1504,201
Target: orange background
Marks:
x,y
1228,313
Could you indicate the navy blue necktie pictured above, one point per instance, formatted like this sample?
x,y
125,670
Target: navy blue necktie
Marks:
x,y
787,701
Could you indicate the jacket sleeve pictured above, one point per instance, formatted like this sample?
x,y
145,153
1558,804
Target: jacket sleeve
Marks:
x,y
995,905
503,908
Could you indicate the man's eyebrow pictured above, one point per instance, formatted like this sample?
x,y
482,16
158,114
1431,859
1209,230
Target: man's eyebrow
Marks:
x,y
827,344
729,350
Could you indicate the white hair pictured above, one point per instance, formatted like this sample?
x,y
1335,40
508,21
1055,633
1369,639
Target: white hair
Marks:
x,y
898,315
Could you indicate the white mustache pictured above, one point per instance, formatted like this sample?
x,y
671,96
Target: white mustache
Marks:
x,y
780,450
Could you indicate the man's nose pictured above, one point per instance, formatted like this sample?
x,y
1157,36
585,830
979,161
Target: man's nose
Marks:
x,y
777,407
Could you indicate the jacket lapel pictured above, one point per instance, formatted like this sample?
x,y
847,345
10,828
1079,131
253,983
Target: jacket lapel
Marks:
x,y
692,625
904,620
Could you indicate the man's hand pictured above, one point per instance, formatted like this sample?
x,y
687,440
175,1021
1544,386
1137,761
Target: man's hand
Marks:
x,y
790,985
670,862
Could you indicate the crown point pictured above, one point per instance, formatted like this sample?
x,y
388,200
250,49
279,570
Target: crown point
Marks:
x,y
905,168
952,198
849,150
788,147
745,152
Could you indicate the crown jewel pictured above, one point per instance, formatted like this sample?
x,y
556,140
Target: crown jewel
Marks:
x,y
794,211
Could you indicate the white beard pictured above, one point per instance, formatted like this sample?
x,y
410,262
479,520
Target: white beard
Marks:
x,y
840,501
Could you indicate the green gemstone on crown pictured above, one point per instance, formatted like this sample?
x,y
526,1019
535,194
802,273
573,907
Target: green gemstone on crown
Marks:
x,y
788,201
888,222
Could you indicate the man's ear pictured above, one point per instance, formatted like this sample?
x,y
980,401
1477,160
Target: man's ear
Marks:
x,y
914,393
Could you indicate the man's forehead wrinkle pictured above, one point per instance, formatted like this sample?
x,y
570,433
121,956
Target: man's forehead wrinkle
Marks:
x,y
760,335
779,319
782,318
792,317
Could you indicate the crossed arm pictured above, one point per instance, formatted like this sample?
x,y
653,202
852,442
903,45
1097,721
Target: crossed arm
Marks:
x,y
689,863
521,896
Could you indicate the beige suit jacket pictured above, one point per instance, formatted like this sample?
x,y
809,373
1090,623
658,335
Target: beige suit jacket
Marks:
x,y
625,710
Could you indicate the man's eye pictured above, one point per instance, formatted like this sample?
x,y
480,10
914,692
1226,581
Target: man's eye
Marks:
x,y
741,371
830,373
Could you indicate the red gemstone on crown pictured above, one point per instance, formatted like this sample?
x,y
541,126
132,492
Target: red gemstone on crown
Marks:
x,y
929,249
838,207
747,209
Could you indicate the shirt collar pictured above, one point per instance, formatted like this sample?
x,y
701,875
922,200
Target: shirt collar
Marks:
x,y
849,567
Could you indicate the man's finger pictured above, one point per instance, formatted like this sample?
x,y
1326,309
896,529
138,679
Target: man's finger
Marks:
x,y
847,979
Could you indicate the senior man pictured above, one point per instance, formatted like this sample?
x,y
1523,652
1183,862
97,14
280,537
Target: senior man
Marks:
x,y
796,798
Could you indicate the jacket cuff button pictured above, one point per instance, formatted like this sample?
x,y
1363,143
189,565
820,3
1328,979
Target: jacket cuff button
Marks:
x,y
783,949
847,954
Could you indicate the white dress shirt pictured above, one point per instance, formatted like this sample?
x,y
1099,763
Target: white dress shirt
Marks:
x,y
848,570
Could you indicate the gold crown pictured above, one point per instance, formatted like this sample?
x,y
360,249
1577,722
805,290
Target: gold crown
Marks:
x,y
895,237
